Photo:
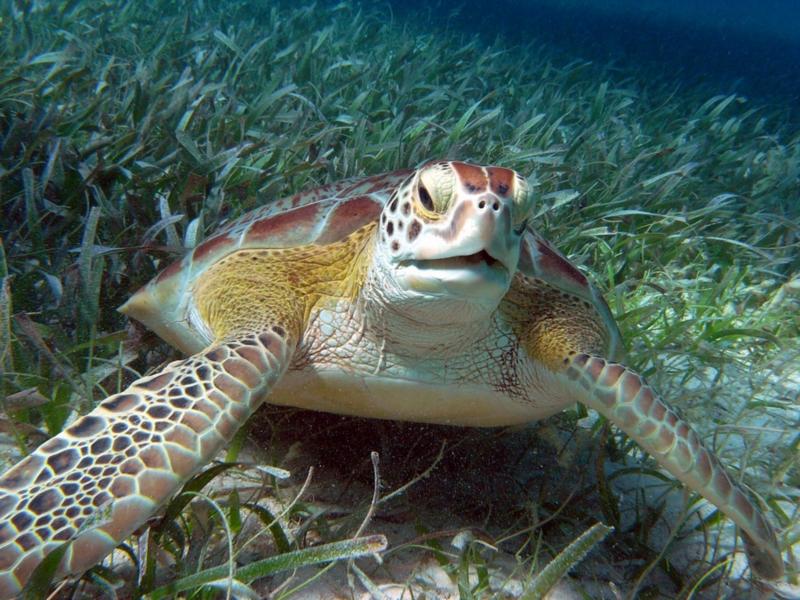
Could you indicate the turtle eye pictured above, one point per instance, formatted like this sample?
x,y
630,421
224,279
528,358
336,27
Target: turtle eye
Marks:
x,y
435,190
425,198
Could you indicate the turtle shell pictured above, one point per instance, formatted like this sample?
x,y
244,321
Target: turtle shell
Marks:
x,y
319,216
538,258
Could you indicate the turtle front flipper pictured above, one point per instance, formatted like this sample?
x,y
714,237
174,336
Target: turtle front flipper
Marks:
x,y
625,399
106,474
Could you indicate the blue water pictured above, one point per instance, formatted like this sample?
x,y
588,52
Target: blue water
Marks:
x,y
746,46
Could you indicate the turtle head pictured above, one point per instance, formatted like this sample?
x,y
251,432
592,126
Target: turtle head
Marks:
x,y
449,240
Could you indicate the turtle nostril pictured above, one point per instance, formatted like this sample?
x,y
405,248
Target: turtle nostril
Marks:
x,y
495,205
482,204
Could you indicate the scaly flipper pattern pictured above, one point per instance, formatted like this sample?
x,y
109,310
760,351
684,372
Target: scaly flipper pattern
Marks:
x,y
106,474
626,400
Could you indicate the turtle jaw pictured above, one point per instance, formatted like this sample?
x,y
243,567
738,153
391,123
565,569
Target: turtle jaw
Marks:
x,y
476,276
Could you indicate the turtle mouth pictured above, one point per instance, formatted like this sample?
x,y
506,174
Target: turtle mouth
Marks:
x,y
470,261
479,275
468,266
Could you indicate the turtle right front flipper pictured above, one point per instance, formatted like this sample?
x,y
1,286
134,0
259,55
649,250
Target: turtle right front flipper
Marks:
x,y
106,474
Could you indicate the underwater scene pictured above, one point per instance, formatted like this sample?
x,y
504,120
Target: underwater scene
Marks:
x,y
393,300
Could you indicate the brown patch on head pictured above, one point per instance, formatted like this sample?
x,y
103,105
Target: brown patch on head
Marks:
x,y
472,177
501,180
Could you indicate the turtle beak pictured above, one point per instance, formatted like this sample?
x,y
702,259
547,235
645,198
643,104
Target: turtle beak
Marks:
x,y
479,228
472,253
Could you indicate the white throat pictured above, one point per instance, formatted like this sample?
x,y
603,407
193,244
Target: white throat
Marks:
x,y
408,322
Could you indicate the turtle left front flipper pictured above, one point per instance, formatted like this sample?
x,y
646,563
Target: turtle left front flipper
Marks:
x,y
625,399
137,448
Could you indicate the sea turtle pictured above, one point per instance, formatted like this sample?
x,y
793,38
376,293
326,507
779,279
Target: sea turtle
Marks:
x,y
420,295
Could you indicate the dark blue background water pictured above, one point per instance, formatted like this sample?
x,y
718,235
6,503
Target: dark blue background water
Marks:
x,y
750,47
